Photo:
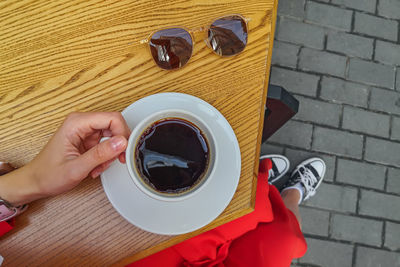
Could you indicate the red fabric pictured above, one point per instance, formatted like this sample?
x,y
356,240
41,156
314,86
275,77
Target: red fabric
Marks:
x,y
7,226
270,244
269,236
264,167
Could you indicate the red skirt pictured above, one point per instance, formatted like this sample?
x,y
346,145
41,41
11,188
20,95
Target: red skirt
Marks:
x,y
269,236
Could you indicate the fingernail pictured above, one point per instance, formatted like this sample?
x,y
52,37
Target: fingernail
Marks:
x,y
122,157
117,143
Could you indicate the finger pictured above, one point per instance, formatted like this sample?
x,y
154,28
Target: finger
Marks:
x,y
107,133
81,125
99,154
92,140
101,168
122,157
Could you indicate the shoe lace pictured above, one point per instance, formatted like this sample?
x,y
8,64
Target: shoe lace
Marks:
x,y
308,180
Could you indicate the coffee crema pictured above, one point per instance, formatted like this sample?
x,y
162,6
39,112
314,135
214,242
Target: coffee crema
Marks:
x,y
172,155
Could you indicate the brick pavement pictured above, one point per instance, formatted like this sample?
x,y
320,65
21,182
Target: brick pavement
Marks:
x,y
341,59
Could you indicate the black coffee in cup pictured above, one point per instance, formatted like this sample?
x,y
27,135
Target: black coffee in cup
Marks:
x,y
172,156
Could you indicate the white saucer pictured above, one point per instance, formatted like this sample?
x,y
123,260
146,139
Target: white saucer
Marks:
x,y
177,217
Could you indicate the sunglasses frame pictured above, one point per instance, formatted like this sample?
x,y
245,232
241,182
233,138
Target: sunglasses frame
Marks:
x,y
191,33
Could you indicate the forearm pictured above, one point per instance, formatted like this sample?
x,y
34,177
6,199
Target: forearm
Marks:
x,y
19,187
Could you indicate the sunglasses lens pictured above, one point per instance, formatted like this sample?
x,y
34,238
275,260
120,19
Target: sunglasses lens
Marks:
x,y
171,48
228,35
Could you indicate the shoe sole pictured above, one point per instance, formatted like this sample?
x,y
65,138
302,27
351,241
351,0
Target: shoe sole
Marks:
x,y
323,170
281,157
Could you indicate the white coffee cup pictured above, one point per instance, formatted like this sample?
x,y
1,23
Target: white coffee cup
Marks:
x,y
137,132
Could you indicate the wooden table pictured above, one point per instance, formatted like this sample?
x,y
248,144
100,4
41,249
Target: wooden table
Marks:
x,y
62,56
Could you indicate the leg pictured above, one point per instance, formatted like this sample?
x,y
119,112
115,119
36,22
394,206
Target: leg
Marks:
x,y
302,185
291,199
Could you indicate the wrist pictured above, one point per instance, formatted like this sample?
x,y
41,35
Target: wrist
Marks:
x,y
19,187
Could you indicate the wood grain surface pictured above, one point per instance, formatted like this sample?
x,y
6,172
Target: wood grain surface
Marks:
x,y
62,56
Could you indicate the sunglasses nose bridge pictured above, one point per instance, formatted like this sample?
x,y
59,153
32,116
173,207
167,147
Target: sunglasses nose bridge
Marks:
x,y
199,33
197,30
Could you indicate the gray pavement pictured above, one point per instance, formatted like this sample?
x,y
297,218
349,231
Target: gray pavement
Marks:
x,y
341,59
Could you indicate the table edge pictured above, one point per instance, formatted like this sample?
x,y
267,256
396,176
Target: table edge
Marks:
x,y
264,98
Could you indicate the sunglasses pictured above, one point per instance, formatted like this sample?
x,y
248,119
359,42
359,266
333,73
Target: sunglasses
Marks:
x,y
172,48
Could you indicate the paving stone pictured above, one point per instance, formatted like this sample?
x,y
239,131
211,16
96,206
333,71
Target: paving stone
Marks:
x,y
356,229
392,236
384,100
350,174
327,254
350,44
295,82
334,197
395,128
337,142
371,257
382,151
371,73
293,133
322,62
293,8
389,8
329,16
318,112
387,52
375,26
393,182
297,32
297,156
398,79
364,5
314,222
379,205
267,148
285,54
360,173
340,91
368,122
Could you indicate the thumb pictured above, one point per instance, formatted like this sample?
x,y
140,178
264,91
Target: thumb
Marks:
x,y
101,153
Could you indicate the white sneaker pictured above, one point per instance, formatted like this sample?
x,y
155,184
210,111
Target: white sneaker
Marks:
x,y
280,166
308,175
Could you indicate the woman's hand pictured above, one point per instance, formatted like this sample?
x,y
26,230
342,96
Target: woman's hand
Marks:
x,y
73,153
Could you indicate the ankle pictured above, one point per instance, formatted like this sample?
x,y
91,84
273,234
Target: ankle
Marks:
x,y
300,190
292,196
